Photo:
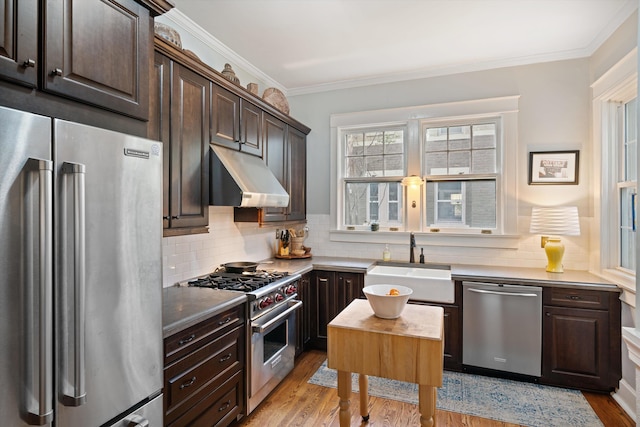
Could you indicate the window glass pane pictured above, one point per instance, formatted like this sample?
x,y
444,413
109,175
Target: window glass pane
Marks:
x,y
468,204
484,136
459,162
393,192
393,142
394,165
459,137
354,144
355,167
627,227
375,165
366,202
484,161
436,163
436,139
373,143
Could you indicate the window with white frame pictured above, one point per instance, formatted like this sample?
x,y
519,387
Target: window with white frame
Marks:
x,y
373,166
627,185
461,169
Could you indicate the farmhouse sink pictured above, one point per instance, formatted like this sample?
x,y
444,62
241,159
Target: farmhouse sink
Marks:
x,y
430,283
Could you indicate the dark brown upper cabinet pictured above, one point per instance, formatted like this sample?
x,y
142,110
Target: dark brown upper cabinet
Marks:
x,y
98,51
235,122
19,41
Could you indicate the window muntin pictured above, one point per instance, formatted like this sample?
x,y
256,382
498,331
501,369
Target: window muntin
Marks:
x,y
468,152
374,164
627,187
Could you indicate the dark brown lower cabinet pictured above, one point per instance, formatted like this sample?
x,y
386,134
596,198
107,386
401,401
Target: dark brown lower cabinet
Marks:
x,y
332,291
581,339
452,330
303,317
204,373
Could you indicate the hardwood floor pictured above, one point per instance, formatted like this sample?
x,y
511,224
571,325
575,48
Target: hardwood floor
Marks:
x,y
297,403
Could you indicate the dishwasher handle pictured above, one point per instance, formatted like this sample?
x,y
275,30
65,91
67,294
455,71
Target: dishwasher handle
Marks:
x,y
515,294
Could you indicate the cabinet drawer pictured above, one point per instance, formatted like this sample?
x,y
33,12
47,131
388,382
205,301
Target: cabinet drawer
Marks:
x,y
578,298
219,408
183,343
200,371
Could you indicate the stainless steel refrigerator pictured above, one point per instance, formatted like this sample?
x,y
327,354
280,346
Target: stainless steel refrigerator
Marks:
x,y
80,275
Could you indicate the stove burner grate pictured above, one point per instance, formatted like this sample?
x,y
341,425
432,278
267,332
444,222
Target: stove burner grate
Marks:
x,y
245,282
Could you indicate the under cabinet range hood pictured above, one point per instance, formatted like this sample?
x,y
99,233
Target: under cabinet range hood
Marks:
x,y
242,180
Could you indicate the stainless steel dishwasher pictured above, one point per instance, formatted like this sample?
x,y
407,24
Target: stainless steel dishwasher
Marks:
x,y
502,327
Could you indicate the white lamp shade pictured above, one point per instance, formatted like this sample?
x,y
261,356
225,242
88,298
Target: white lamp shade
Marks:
x,y
412,180
558,221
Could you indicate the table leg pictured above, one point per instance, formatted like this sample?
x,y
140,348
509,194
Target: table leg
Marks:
x,y
344,393
427,405
363,383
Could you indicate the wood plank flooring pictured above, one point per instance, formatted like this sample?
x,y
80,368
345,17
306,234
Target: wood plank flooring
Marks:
x,y
297,403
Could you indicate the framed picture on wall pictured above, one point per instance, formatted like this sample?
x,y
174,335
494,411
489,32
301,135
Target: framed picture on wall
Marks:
x,y
553,167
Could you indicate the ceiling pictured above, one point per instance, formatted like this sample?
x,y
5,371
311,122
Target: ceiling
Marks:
x,y
315,45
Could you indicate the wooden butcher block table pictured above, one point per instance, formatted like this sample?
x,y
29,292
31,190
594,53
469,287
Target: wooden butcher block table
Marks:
x,y
409,348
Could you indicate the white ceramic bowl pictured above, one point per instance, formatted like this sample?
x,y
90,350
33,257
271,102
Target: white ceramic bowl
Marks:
x,y
384,305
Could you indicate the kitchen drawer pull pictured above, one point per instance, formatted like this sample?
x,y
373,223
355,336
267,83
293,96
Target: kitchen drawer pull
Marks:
x,y
187,340
225,358
573,297
513,294
188,383
225,406
225,321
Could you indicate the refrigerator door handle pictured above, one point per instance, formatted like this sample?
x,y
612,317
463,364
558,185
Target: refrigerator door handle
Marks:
x,y
38,397
73,390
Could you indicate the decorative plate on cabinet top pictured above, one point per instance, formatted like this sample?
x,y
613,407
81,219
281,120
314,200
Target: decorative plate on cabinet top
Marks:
x,y
167,33
276,98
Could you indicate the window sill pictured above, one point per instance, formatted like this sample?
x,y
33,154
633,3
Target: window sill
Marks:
x,y
625,281
427,239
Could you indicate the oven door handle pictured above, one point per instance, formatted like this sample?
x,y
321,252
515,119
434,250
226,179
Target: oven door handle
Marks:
x,y
262,328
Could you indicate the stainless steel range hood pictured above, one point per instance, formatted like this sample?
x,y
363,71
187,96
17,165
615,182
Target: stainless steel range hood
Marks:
x,y
242,180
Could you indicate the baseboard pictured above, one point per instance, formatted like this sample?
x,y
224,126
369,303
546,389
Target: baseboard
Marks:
x,y
625,396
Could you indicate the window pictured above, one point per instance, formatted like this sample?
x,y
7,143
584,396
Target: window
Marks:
x,y
461,168
627,185
374,165
466,153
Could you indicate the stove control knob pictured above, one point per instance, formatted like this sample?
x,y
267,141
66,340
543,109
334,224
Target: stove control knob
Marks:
x,y
291,289
279,297
266,302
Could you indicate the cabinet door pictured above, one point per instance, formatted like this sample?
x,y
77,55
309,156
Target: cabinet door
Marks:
x,y
575,349
303,320
275,134
225,119
189,165
98,51
250,128
159,123
19,41
297,176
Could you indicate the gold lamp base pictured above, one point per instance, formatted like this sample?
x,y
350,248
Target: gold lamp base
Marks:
x,y
555,251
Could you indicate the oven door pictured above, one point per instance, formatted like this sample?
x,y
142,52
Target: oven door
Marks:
x,y
272,351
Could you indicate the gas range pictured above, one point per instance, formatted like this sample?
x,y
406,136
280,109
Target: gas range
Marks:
x,y
265,289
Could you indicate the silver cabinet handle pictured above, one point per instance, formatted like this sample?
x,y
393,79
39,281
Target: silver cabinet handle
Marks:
x,y
72,288
38,398
29,63
262,328
56,72
515,294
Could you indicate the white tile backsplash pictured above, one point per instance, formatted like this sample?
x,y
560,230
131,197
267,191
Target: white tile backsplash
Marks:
x,y
184,257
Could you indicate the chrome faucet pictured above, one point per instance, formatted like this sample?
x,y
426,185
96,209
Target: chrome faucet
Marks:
x,y
412,245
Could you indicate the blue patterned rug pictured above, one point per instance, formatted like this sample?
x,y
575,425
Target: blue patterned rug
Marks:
x,y
497,399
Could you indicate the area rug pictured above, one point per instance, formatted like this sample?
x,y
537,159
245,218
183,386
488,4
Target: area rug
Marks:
x,y
497,399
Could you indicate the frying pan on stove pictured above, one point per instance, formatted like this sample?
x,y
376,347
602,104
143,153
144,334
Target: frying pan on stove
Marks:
x,y
240,267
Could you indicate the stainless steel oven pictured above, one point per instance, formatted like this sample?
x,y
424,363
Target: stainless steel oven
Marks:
x,y
272,350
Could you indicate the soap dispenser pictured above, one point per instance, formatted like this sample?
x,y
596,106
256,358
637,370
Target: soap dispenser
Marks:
x,y
421,255
386,254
